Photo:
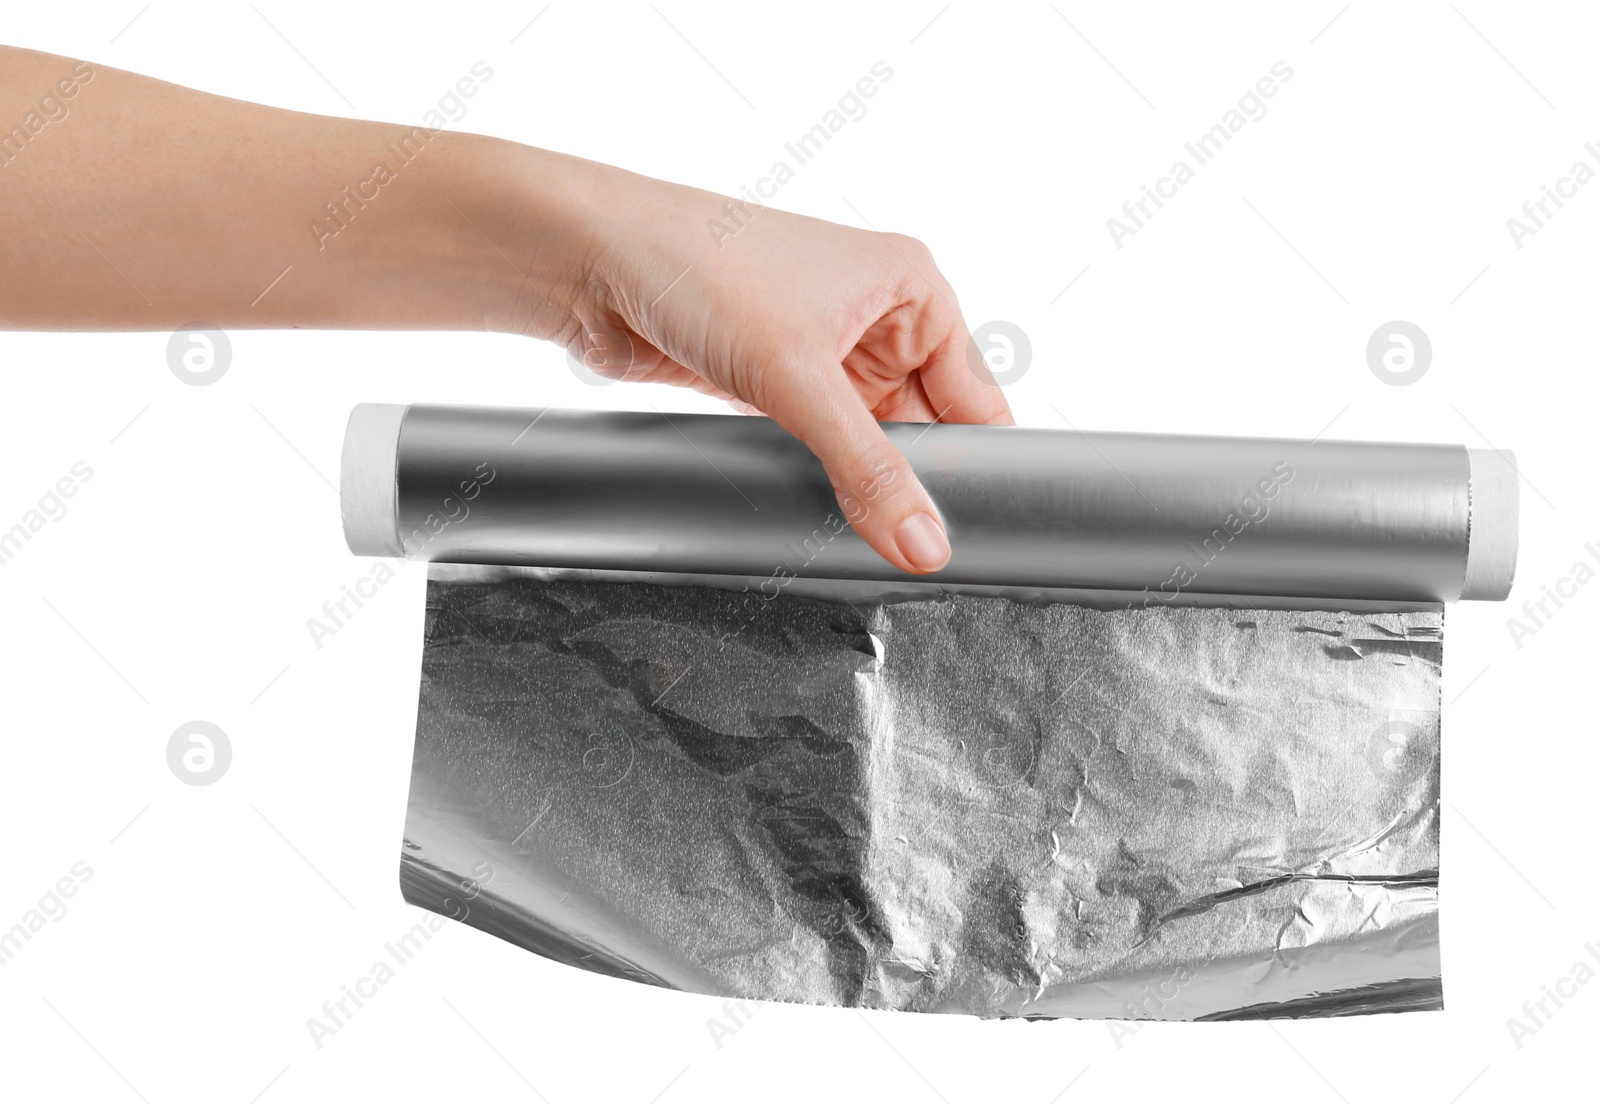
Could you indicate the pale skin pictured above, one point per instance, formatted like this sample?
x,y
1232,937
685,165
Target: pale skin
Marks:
x,y
131,204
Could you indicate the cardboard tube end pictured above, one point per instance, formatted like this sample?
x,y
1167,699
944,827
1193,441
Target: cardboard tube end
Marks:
x,y
1492,531
367,479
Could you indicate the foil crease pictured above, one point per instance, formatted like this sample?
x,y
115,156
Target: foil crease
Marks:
x,y
964,804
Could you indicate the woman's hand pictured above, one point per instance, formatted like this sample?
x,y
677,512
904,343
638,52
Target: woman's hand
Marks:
x,y
825,328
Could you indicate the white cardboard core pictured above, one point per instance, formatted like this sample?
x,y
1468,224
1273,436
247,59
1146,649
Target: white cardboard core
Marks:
x,y
1492,525
367,479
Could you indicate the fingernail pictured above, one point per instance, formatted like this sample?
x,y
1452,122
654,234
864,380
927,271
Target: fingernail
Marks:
x,y
922,541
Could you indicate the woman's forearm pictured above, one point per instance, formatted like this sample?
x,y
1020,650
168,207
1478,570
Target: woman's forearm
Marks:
x,y
128,203
131,204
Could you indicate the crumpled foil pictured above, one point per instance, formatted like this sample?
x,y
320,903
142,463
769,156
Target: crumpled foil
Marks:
x,y
965,805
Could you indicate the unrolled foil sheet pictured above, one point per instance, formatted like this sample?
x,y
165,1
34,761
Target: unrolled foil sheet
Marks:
x,y
958,804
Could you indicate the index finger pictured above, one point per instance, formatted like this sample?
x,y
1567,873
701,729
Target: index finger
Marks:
x,y
957,379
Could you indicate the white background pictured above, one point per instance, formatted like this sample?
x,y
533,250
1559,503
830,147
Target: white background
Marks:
x,y
220,919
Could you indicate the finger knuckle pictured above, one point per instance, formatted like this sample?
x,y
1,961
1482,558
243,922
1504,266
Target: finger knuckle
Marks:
x,y
910,247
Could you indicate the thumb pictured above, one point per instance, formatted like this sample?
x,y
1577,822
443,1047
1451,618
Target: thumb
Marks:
x,y
880,497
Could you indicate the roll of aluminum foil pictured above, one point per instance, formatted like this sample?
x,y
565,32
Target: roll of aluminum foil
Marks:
x,y
698,745
1158,516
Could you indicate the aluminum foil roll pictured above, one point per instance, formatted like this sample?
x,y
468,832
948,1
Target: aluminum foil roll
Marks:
x,y
1161,742
1154,515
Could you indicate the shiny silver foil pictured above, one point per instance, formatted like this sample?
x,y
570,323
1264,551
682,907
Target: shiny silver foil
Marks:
x,y
956,804
1162,517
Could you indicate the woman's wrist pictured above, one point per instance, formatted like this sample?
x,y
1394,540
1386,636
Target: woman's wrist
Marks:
x,y
527,223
